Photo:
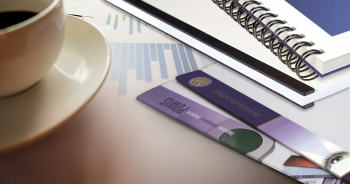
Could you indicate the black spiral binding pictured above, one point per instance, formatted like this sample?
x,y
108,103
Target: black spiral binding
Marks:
x,y
287,55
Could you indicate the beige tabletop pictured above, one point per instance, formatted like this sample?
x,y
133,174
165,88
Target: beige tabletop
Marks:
x,y
117,140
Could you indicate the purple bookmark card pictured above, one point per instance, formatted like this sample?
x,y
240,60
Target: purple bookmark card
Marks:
x,y
300,140
173,99
222,129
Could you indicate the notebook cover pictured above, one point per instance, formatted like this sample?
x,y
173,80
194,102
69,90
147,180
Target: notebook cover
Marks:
x,y
314,10
245,59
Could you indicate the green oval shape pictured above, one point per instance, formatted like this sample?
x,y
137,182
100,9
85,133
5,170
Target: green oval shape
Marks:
x,y
242,140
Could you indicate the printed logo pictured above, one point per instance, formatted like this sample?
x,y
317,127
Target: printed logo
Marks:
x,y
200,82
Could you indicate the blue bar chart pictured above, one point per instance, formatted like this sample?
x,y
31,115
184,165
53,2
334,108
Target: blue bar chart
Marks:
x,y
138,58
115,61
153,52
191,58
162,63
114,22
131,27
166,46
109,19
176,59
183,56
147,63
139,62
138,26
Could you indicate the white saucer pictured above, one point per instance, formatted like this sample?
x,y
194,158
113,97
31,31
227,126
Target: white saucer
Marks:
x,y
77,75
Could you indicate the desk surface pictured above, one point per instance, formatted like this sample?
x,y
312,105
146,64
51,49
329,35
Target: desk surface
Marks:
x,y
106,143
116,139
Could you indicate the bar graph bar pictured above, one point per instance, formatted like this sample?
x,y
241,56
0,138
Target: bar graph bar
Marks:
x,y
191,58
109,19
176,59
115,62
138,26
116,22
162,63
131,56
166,46
153,52
131,28
147,63
123,69
140,56
139,64
184,58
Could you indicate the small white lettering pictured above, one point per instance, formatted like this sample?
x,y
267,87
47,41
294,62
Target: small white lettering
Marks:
x,y
229,132
194,115
310,181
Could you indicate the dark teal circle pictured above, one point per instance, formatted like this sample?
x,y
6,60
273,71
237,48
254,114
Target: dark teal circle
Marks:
x,y
242,140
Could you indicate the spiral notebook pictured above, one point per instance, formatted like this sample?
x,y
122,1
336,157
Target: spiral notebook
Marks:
x,y
316,31
206,27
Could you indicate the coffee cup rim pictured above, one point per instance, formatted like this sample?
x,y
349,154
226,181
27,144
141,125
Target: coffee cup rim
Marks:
x,y
30,20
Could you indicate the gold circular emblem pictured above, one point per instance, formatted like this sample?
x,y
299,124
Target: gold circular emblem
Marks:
x,y
200,82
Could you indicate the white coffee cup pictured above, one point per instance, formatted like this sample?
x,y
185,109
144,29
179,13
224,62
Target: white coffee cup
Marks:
x,y
30,48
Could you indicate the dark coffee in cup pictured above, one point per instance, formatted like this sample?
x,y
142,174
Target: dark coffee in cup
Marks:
x,y
31,38
14,17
